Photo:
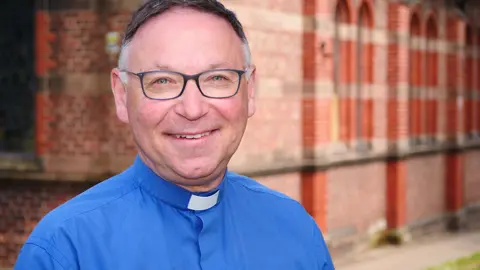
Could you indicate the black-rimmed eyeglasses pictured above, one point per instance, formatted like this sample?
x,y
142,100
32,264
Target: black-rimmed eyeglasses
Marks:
x,y
165,84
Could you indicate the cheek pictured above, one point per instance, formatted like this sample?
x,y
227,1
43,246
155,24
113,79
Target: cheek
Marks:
x,y
149,113
234,111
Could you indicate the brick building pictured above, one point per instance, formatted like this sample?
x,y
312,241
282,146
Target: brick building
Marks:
x,y
369,111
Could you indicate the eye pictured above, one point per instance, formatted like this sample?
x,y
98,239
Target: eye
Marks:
x,y
162,80
218,78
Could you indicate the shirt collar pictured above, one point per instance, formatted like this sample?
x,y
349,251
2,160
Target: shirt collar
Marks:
x,y
173,194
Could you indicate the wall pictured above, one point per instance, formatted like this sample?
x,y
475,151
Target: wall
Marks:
x,y
275,32
370,136
22,204
388,121
74,103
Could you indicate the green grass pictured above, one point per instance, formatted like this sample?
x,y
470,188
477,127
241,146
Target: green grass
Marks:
x,y
471,262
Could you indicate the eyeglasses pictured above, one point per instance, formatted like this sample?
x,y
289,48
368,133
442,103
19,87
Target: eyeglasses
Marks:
x,y
164,85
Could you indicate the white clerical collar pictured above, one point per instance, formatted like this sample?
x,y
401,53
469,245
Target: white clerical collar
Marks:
x,y
199,203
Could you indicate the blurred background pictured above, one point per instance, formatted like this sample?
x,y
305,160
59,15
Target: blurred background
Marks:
x,y
368,114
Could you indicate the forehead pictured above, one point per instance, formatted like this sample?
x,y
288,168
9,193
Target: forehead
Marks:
x,y
185,40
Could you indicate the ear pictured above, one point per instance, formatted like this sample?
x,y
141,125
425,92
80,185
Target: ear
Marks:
x,y
251,88
120,95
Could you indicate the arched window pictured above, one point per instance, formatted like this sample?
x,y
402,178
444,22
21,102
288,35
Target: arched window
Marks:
x,y
341,75
430,96
415,80
476,83
469,82
363,98
453,92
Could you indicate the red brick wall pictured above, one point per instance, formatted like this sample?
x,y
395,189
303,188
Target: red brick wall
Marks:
x,y
349,208
274,30
472,178
22,205
287,183
76,123
425,194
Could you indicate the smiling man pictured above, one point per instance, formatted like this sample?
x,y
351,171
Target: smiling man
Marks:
x,y
185,86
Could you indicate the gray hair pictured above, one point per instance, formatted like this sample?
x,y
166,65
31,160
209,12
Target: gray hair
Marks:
x,y
152,8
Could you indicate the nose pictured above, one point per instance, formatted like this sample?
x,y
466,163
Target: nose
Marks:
x,y
191,105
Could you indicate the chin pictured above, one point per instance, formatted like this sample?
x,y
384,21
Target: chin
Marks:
x,y
197,170
195,173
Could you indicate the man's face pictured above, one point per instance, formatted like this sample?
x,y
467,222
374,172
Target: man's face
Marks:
x,y
187,41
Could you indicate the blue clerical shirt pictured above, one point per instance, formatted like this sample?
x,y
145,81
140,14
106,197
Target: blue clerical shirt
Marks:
x,y
136,220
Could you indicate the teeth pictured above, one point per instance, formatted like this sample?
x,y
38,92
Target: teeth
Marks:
x,y
196,136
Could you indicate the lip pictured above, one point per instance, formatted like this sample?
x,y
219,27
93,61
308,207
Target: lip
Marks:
x,y
192,136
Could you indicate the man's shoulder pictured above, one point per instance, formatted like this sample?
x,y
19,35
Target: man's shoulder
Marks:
x,y
103,194
260,192
298,227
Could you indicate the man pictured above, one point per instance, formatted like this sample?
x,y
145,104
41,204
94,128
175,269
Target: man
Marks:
x,y
185,85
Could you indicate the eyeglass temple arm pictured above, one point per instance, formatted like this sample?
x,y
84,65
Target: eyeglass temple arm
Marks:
x,y
249,71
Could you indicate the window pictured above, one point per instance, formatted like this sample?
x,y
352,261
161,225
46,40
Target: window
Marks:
x,y
469,84
363,99
415,80
17,78
476,84
430,95
341,114
453,92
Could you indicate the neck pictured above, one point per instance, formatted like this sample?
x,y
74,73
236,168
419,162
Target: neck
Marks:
x,y
207,183
204,188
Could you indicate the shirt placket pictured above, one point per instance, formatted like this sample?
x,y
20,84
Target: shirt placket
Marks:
x,y
210,241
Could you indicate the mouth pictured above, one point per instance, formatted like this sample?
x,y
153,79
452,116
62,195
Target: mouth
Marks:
x,y
193,136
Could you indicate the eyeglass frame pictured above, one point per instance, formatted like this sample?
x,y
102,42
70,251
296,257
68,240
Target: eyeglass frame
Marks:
x,y
187,77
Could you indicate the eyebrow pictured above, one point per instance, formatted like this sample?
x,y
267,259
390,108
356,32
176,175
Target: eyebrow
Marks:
x,y
162,67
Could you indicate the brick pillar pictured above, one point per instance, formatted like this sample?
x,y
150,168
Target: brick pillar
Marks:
x,y
313,183
314,187
397,77
454,163
309,75
43,53
454,182
308,96
396,194
454,189
398,51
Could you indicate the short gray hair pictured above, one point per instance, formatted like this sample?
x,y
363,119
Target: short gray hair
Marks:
x,y
152,8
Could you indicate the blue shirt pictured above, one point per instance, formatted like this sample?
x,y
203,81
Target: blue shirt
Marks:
x,y
136,220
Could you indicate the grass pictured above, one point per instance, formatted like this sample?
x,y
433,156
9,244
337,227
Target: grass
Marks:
x,y
471,262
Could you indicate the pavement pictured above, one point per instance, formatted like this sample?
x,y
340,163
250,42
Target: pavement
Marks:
x,y
415,255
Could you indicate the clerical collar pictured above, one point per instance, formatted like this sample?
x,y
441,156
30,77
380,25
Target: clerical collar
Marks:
x,y
173,194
